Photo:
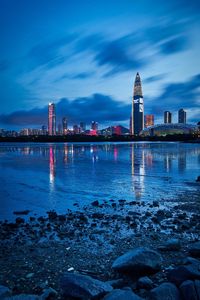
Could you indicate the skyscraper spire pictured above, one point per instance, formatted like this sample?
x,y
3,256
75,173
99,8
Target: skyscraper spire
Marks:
x,y
137,113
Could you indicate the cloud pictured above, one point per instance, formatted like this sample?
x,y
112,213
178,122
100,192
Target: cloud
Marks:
x,y
178,95
82,75
174,45
98,107
154,78
4,65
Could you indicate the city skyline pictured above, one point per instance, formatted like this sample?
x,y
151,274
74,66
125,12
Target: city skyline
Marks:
x,y
83,57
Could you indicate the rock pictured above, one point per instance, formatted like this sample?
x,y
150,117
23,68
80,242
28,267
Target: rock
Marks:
x,y
4,291
155,203
138,261
194,249
29,275
23,297
52,215
197,287
95,203
22,212
116,283
145,283
165,291
198,179
19,220
171,245
122,295
83,287
48,293
188,290
185,272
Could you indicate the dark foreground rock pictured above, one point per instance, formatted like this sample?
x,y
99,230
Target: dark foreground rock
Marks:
x,y
122,295
83,287
171,245
138,262
194,249
23,297
188,290
4,291
165,291
190,271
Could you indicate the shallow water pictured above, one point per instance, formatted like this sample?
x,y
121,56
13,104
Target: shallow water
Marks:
x,y
40,177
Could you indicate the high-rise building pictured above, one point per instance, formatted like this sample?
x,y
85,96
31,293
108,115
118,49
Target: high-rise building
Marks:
x,y
94,125
149,120
182,116
167,117
82,127
52,119
64,124
137,114
75,129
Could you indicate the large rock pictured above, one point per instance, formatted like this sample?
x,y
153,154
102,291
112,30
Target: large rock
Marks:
x,y
122,295
4,291
194,249
23,297
145,283
197,287
165,291
185,272
171,245
188,290
138,261
83,287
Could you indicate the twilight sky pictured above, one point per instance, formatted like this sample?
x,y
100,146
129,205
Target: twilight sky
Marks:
x,y
84,55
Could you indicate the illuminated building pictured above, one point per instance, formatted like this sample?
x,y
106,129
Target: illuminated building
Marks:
x,y
149,120
182,116
137,114
64,125
44,130
167,117
75,129
52,119
94,125
166,129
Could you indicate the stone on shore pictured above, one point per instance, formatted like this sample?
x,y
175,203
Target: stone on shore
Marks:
x,y
139,261
122,295
194,249
145,283
83,287
23,297
165,291
197,287
171,245
188,290
4,291
185,272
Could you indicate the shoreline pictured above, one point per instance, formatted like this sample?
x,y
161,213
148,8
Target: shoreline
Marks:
x,y
35,253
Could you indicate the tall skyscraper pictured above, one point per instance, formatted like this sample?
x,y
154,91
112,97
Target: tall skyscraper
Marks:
x,y
52,119
182,116
137,114
82,127
64,124
167,117
149,120
94,125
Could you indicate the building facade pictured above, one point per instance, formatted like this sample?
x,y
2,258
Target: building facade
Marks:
x,y
167,117
51,119
94,125
64,125
137,113
182,116
148,120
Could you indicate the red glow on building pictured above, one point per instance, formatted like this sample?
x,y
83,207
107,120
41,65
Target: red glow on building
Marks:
x,y
93,132
117,130
149,120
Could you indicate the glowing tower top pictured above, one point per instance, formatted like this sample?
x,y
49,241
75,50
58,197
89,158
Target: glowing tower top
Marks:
x,y
137,87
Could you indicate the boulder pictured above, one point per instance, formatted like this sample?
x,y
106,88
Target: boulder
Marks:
x,y
83,287
190,271
165,291
122,295
194,249
197,287
188,290
23,297
4,291
171,245
138,262
145,283
48,293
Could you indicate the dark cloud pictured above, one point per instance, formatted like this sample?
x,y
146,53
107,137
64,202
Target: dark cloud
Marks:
x,y
154,78
82,75
4,65
98,107
174,45
177,95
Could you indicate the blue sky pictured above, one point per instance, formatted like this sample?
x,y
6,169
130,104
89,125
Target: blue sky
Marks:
x,y
83,55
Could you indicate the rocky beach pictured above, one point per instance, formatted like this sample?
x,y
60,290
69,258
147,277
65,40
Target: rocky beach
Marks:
x,y
106,250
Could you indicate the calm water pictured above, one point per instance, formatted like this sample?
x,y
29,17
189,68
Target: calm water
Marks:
x,y
40,177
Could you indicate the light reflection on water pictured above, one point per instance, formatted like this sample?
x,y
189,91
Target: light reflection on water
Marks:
x,y
40,177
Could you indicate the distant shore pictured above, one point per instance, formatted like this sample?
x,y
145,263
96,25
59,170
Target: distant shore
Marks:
x,y
36,252
87,138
